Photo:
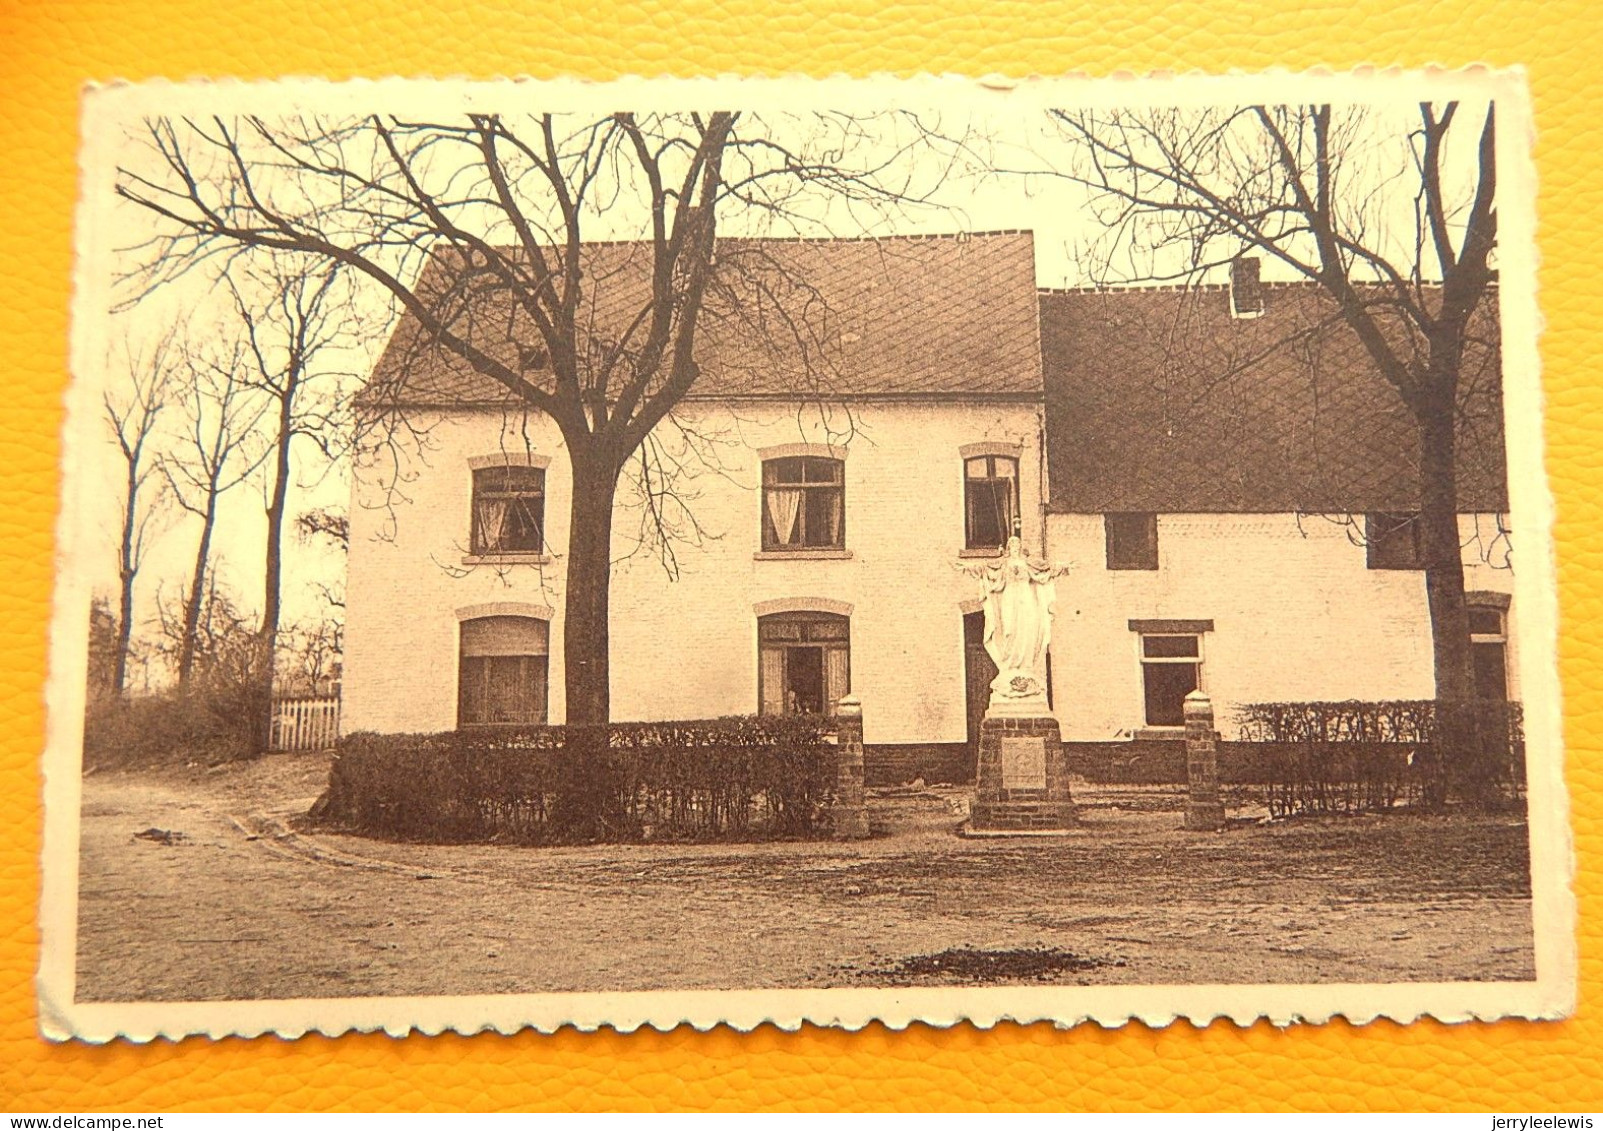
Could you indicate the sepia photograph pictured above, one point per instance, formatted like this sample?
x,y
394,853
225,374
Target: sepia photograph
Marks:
x,y
542,553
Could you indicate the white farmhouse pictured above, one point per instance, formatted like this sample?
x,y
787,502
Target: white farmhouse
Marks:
x,y
870,412
1238,485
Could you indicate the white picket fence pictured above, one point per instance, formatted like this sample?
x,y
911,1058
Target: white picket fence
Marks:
x,y
306,722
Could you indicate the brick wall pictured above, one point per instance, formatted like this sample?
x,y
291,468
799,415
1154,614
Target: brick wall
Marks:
x,y
898,763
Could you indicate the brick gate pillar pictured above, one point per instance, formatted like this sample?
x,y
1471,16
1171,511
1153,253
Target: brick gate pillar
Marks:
x,y
849,813
1205,812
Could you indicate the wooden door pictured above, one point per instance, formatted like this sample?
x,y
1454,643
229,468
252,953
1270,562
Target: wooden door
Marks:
x,y
978,672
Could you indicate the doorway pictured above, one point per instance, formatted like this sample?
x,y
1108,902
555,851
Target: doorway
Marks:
x,y
804,663
978,672
804,681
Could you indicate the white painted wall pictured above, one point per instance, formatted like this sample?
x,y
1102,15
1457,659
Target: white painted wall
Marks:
x,y
687,647
1297,615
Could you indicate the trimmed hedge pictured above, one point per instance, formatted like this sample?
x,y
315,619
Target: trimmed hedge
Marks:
x,y
740,778
1345,757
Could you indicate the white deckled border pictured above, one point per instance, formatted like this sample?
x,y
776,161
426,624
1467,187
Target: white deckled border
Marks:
x,y
851,1009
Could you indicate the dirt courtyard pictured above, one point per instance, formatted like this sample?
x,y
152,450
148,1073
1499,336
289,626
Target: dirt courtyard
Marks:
x,y
194,886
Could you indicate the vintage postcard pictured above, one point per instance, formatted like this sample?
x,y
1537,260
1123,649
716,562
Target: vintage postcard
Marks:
x,y
695,552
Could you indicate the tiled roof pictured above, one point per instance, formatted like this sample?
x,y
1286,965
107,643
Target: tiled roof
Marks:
x,y
897,316
1158,399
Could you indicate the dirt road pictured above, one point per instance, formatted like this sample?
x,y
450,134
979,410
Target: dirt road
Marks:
x,y
193,888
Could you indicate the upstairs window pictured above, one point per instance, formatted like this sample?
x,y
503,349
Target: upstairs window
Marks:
x,y
990,500
1132,540
508,510
804,504
1392,541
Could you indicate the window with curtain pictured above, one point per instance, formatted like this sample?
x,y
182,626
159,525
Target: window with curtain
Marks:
x,y
990,500
508,510
804,504
502,673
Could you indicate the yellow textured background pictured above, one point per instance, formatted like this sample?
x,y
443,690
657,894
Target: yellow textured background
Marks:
x,y
48,49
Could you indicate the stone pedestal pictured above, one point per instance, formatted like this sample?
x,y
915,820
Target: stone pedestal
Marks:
x,y
1205,811
1023,779
849,814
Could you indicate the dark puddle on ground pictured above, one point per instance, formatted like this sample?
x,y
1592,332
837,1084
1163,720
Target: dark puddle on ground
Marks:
x,y
972,965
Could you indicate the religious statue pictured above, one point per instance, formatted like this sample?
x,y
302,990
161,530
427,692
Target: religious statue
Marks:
x,y
1019,596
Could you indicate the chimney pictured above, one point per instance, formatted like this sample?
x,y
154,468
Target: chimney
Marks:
x,y
1246,292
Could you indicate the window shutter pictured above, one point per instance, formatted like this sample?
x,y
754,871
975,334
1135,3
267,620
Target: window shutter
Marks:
x,y
1392,541
535,676
836,683
771,681
1132,540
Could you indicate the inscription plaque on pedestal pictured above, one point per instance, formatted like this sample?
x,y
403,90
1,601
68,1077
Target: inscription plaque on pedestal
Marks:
x,y
1024,762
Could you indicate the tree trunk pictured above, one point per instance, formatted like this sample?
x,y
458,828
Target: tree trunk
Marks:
x,y
1444,594
586,645
197,595
125,575
125,630
1442,550
275,522
272,596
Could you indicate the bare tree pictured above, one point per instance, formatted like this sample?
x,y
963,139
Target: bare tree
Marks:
x,y
325,523
454,218
103,650
321,643
310,654
229,678
331,527
288,336
133,413
218,450
1394,217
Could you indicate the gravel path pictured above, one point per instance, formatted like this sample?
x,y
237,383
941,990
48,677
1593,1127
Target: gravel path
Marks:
x,y
194,886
